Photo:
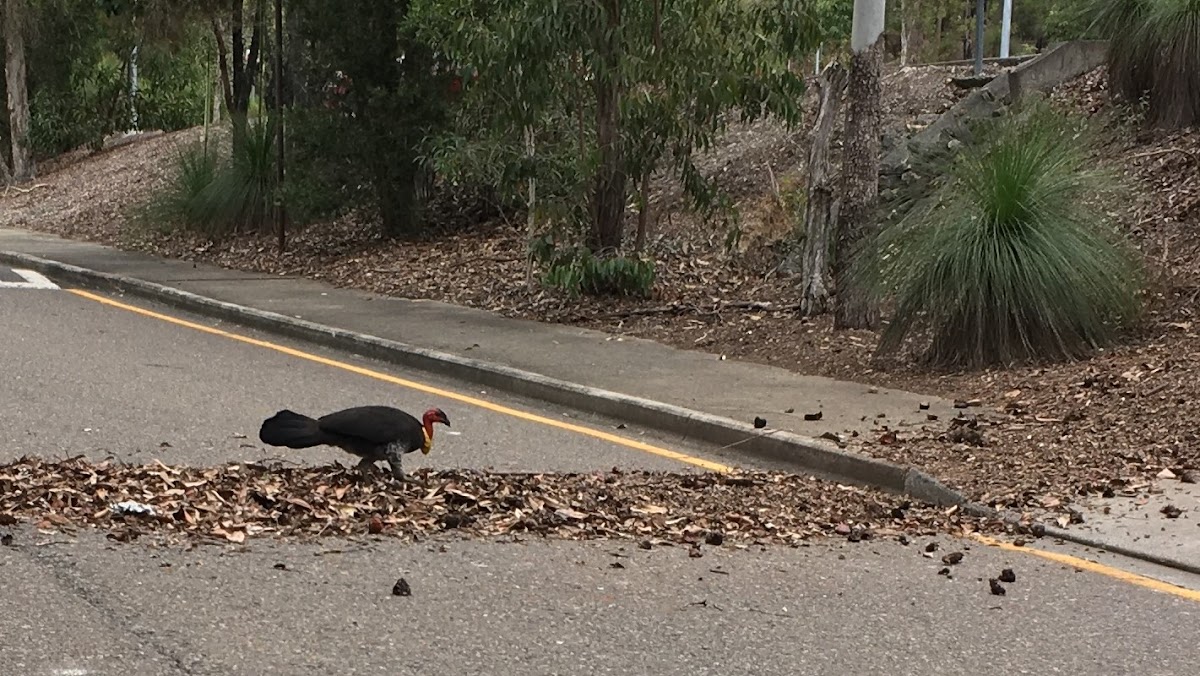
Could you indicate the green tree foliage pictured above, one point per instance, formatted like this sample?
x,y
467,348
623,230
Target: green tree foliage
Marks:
x,y
1154,54
79,54
602,94
1005,260
377,91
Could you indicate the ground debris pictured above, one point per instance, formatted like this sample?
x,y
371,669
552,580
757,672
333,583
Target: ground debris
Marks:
x,y
1171,511
233,502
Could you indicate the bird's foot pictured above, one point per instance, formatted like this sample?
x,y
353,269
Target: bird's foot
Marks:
x,y
366,469
405,478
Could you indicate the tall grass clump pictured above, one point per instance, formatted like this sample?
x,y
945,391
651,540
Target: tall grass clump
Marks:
x,y
241,194
1153,55
1005,261
217,196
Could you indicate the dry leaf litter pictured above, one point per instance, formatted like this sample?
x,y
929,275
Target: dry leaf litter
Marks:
x,y
238,501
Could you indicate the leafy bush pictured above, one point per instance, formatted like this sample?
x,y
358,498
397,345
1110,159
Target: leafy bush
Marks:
x,y
174,84
323,174
578,271
83,111
1006,261
1154,53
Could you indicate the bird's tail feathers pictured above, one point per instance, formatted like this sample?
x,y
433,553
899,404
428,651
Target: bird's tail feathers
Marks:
x,y
291,429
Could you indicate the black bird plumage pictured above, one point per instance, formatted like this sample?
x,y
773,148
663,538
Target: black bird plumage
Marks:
x,y
372,433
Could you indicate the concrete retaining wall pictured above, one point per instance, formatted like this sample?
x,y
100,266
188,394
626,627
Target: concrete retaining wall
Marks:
x,y
1059,63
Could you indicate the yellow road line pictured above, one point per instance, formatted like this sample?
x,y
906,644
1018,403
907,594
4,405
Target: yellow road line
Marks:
x,y
497,408
1098,568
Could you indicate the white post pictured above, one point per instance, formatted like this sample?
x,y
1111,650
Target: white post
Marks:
x,y
1005,28
868,24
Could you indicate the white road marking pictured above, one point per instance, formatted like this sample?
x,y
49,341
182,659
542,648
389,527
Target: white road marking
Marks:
x,y
33,280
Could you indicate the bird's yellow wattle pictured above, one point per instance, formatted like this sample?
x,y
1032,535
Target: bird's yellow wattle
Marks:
x,y
428,445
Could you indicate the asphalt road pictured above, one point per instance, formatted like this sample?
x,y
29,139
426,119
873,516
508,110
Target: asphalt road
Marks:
x,y
77,376
81,377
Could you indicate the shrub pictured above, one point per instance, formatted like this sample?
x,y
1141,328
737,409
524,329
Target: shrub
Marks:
x,y
1006,261
1153,54
577,271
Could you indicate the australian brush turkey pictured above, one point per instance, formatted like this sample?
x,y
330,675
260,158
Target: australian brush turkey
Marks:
x,y
372,433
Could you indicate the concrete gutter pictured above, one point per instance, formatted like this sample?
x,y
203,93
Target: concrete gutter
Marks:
x,y
804,454
1115,548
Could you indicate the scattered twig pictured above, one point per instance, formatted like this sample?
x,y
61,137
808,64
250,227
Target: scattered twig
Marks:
x,y
1165,151
705,310
24,191
749,438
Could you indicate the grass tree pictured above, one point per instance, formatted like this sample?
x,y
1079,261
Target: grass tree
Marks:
x,y
1007,261
1153,54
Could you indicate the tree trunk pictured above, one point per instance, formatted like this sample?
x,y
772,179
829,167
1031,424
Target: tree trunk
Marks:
x,y
860,166
910,31
643,223
238,81
18,95
821,214
222,66
531,215
608,210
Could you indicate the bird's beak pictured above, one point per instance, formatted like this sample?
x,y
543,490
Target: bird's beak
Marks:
x,y
445,420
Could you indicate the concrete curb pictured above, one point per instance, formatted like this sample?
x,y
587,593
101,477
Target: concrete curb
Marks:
x,y
1113,548
804,453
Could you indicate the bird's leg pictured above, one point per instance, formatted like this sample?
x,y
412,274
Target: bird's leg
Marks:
x,y
394,455
365,467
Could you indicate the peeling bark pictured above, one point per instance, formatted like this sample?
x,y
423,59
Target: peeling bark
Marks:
x,y
910,31
860,186
223,64
18,94
643,223
821,213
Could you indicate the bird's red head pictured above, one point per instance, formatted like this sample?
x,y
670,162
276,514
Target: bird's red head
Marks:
x,y
434,415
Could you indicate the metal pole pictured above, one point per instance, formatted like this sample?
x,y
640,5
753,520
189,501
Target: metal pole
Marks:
x,y
1005,28
980,8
